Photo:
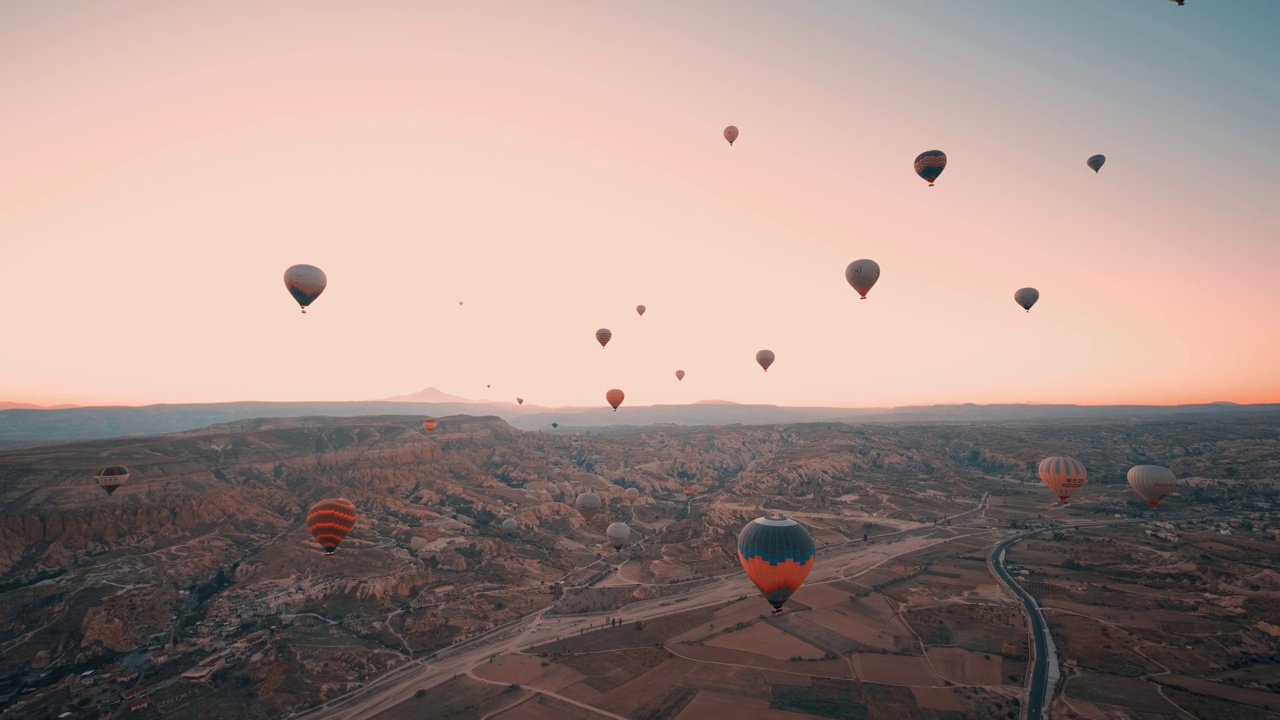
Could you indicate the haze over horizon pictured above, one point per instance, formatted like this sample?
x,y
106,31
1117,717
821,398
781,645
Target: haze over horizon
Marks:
x,y
553,167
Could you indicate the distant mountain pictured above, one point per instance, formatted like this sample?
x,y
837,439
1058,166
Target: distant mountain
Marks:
x,y
716,402
430,395
28,406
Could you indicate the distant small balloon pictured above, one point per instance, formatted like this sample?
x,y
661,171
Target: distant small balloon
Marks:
x,y
555,425
640,310
615,397
680,375
603,336
765,358
930,164
1095,162
429,425
631,494
1026,297
519,401
1063,475
862,275
731,134
305,283
509,526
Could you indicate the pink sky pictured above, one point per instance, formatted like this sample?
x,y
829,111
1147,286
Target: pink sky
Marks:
x,y
162,166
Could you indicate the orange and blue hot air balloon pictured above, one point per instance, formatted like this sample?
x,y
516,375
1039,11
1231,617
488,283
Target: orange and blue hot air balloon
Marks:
x,y
930,164
777,554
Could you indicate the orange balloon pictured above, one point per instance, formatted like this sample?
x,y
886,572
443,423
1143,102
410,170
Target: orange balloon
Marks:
x,y
1063,475
614,397
429,424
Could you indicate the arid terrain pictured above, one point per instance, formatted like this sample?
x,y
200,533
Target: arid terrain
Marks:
x,y
196,589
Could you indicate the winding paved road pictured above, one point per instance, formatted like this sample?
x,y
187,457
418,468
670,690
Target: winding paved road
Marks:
x,y
1036,701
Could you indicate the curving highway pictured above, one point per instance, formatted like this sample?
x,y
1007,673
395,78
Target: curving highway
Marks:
x,y
1042,643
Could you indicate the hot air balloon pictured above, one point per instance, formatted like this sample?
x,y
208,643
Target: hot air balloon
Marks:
x,y
588,504
631,494
707,481
519,401
1063,475
329,522
602,336
429,425
690,490
111,477
929,165
1152,482
765,358
640,310
1026,297
777,554
1095,162
619,533
731,134
680,375
509,526
305,283
488,386
615,397
555,425
862,275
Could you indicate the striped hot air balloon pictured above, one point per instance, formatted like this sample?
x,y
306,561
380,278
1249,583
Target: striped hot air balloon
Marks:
x,y
111,477
603,335
329,522
631,494
1152,482
429,425
1063,475
930,164
305,283
777,554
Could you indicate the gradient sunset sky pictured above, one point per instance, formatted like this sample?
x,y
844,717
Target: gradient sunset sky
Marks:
x,y
554,164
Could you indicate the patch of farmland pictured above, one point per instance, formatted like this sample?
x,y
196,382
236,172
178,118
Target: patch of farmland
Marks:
x,y
894,669
765,639
965,667
1138,695
718,705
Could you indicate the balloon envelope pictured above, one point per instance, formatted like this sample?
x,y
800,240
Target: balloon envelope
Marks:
x,y
731,134
765,358
862,275
305,283
619,533
1063,475
631,494
429,425
588,504
111,477
1026,297
679,374
615,397
777,554
603,336
329,522
519,401
1152,482
1095,162
930,164
640,310
509,526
